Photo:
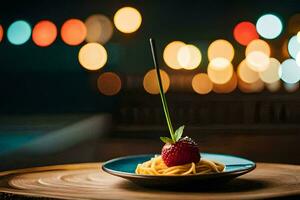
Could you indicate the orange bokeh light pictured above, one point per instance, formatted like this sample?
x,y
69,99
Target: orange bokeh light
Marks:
x,y
150,81
227,87
202,84
109,83
245,32
256,86
1,33
73,32
44,33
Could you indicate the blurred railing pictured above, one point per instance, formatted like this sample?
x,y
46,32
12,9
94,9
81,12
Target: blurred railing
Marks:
x,y
235,111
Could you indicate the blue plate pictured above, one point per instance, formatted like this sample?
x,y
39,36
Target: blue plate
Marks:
x,y
125,167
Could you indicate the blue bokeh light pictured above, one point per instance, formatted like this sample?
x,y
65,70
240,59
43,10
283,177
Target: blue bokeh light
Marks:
x,y
293,46
269,26
18,32
289,71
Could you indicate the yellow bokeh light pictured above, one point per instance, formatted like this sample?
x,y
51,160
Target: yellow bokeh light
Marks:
x,y
99,28
109,83
298,36
92,56
202,84
219,75
271,75
273,87
220,48
226,87
246,74
150,81
219,63
258,45
189,57
171,52
127,20
257,61
257,55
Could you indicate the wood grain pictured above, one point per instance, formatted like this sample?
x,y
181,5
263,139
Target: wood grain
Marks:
x,y
87,181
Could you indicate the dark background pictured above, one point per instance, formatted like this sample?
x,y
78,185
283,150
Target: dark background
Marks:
x,y
45,89
34,79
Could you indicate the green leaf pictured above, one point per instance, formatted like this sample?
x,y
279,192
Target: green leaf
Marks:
x,y
178,133
166,140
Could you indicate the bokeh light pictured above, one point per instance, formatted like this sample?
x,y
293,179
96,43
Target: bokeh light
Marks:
x,y
219,63
291,87
258,45
226,87
1,33
127,20
18,32
270,75
150,81
44,33
298,59
273,87
219,75
220,48
289,71
293,46
202,84
246,74
92,56
189,57
298,36
269,26
257,55
109,83
171,52
99,28
245,32
258,61
256,86
73,32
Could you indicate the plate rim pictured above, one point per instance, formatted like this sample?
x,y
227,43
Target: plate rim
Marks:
x,y
133,175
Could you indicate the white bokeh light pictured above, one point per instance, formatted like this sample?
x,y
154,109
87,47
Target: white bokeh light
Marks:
x,y
269,26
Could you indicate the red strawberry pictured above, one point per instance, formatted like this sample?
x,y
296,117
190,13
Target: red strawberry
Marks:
x,y
184,151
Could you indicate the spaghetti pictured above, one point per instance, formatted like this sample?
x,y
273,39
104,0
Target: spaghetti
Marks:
x,y
156,166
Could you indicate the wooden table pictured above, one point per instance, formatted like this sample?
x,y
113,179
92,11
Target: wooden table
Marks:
x,y
87,181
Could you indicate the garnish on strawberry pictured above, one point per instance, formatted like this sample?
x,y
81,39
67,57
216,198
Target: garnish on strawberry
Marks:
x,y
177,150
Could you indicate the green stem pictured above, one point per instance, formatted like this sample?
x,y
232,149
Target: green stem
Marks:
x,y
165,106
162,94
